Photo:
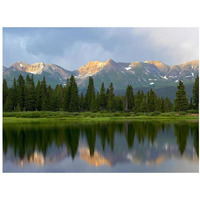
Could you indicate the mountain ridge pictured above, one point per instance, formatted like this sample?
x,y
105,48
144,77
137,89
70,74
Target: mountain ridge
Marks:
x,y
148,74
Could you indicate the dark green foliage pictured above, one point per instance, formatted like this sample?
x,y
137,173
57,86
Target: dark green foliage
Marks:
x,y
8,106
50,98
30,96
119,103
66,95
45,100
21,92
73,94
5,91
181,101
144,107
111,98
58,98
129,98
82,102
90,99
102,98
38,92
195,92
152,101
24,96
14,94
137,102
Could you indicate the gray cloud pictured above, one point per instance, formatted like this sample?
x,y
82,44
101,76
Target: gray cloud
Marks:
x,y
74,47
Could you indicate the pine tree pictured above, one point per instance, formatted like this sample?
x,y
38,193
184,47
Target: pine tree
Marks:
x,y
111,96
74,97
50,98
14,96
129,98
195,92
90,99
102,98
143,107
191,106
58,98
107,96
82,102
119,103
38,91
66,95
45,101
9,101
137,102
152,101
98,101
29,94
5,91
181,101
21,92
162,106
168,105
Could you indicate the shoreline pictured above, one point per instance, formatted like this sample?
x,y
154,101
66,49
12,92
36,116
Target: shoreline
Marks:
x,y
46,116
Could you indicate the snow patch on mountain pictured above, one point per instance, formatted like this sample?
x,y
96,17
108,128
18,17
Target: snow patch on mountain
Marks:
x,y
33,72
127,68
165,77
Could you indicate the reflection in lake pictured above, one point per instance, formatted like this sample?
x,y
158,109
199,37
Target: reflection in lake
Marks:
x,y
132,146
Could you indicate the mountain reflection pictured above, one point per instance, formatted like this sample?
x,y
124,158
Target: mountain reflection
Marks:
x,y
100,143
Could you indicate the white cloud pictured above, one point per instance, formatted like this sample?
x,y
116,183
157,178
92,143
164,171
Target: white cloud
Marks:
x,y
175,44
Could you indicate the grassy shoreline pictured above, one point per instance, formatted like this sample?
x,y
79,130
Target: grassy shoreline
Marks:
x,y
89,116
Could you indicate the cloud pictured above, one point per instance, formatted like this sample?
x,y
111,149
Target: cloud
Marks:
x,y
81,53
173,45
74,47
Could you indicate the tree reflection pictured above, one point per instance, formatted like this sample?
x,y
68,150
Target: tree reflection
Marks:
x,y
24,139
181,133
195,134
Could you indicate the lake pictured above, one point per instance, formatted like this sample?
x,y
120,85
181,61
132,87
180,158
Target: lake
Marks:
x,y
118,146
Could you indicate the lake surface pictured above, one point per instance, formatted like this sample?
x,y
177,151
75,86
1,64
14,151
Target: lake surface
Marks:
x,y
120,146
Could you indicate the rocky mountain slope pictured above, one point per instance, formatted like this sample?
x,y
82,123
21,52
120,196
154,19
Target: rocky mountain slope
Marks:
x,y
139,74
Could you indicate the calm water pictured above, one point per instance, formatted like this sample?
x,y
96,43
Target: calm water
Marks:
x,y
101,147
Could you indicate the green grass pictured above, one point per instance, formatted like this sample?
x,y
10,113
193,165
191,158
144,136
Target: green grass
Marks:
x,y
97,116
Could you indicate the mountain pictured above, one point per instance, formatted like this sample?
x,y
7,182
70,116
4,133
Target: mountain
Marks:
x,y
148,74
54,74
142,74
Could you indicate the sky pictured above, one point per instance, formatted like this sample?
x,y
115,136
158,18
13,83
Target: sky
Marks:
x,y
72,48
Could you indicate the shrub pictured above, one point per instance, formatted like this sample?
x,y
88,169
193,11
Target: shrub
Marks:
x,y
182,113
155,113
192,111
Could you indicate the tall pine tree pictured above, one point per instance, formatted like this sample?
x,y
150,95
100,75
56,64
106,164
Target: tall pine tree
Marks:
x,y
102,98
181,101
90,99
74,97
195,92
21,92
5,91
129,98
111,99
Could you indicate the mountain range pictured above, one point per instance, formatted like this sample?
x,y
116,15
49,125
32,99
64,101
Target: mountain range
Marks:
x,y
144,75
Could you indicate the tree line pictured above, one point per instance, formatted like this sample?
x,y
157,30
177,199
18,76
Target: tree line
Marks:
x,y
24,95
